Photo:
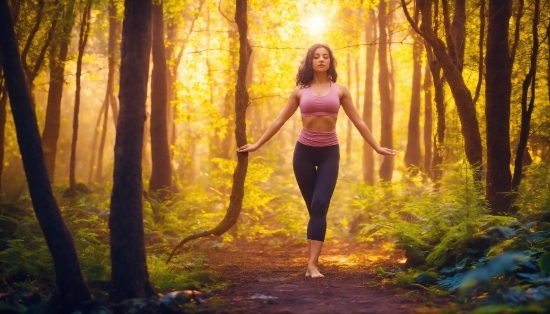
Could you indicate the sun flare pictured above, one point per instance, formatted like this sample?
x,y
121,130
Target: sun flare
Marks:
x,y
316,24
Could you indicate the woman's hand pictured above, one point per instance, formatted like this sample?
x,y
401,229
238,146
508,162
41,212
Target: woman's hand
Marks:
x,y
386,151
247,148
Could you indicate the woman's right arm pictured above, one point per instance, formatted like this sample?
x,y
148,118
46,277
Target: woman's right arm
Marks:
x,y
275,126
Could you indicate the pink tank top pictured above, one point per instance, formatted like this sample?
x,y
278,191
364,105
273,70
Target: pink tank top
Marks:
x,y
328,105
311,105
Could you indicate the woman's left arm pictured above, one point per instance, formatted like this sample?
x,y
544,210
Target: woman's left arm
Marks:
x,y
353,115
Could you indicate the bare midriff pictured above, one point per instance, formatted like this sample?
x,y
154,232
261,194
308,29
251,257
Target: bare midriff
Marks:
x,y
319,123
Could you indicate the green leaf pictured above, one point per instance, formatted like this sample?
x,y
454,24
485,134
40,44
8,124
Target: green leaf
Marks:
x,y
544,262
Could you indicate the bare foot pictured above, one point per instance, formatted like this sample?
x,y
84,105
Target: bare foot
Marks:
x,y
313,272
307,273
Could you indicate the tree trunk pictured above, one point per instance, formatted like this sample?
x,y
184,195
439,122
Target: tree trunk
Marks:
x,y
161,175
71,288
368,158
3,102
129,275
413,154
386,107
428,121
50,134
461,94
439,97
458,32
527,108
82,40
110,99
497,107
242,100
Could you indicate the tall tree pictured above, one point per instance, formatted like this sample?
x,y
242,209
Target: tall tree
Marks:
x,y
71,288
386,104
58,55
129,275
413,153
82,40
242,101
446,58
160,183
528,98
368,158
498,89
428,120
110,99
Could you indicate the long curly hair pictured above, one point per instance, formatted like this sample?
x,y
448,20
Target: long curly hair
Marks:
x,y
305,71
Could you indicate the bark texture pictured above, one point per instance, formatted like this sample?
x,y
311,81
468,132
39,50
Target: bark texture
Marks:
x,y
58,55
386,104
129,275
161,175
71,288
497,106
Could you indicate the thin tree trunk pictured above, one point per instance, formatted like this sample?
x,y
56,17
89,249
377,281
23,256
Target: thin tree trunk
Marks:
x,y
481,47
498,89
428,120
110,99
368,158
161,175
242,100
386,108
350,125
82,40
71,288
413,153
527,108
50,134
439,97
3,103
129,275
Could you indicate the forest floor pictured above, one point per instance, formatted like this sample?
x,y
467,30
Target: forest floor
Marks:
x,y
271,279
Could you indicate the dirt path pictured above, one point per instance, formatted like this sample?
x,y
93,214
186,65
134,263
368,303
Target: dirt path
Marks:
x,y
266,279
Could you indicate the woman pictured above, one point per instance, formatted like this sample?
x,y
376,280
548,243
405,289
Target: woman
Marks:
x,y
316,155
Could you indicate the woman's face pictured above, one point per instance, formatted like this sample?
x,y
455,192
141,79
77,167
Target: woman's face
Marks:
x,y
321,60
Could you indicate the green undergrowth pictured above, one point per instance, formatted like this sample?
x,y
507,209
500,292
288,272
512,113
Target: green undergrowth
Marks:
x,y
453,245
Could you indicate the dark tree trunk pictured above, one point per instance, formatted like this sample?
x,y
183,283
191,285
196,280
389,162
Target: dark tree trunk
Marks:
x,y
242,100
82,40
497,107
458,32
428,121
413,153
3,102
527,106
50,134
71,288
161,175
129,275
386,106
368,158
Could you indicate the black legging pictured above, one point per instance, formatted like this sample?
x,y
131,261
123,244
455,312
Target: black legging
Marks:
x,y
316,171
